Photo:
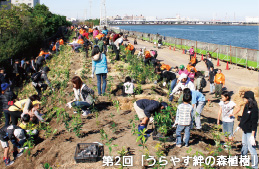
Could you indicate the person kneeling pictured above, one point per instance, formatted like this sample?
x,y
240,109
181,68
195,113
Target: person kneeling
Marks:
x,y
83,96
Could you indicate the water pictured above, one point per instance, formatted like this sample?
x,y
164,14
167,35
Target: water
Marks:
x,y
240,36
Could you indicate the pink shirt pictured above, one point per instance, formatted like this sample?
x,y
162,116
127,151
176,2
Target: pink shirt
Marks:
x,y
191,51
183,71
95,33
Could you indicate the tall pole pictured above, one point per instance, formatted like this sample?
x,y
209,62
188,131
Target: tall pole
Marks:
x,y
90,4
103,18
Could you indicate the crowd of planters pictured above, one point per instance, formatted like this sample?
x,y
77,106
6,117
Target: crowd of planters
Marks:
x,y
186,85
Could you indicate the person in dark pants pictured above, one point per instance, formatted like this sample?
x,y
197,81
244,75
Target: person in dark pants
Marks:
x,y
7,98
249,123
38,80
208,63
191,51
100,68
15,111
17,73
116,42
145,108
39,62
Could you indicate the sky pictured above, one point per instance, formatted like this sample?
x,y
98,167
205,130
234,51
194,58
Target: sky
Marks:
x,y
199,9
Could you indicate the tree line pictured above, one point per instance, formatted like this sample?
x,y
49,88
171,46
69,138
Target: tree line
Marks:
x,y
24,30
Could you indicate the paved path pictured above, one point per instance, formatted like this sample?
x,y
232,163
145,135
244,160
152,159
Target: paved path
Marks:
x,y
235,77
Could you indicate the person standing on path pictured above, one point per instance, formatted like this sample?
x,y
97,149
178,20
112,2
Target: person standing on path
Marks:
x,y
100,68
208,64
191,51
219,83
226,110
248,124
116,41
211,80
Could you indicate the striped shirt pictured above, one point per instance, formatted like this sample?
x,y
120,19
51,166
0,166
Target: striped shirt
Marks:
x,y
184,114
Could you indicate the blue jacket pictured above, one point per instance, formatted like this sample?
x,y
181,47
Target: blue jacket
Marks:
x,y
100,66
149,106
197,97
105,31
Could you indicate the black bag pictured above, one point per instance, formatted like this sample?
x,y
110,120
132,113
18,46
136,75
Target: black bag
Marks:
x,y
36,77
155,55
203,83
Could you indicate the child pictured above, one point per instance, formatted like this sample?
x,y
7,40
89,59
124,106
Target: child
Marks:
x,y
248,124
128,87
25,125
226,109
184,120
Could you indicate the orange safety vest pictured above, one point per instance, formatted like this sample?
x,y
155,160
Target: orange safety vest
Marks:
x,y
165,67
54,48
80,41
90,30
189,68
99,36
219,78
193,60
41,53
61,42
147,55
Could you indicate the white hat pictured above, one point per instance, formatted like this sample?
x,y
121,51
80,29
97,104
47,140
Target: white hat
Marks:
x,y
19,133
183,76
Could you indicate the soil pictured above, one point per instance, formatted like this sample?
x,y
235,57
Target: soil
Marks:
x,y
58,150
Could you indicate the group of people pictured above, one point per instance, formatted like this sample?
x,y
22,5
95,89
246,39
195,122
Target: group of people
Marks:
x,y
186,83
189,87
23,115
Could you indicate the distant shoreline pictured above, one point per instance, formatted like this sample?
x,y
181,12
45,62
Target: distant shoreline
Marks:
x,y
182,24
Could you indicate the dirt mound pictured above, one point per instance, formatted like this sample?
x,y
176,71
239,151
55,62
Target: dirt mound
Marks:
x,y
238,97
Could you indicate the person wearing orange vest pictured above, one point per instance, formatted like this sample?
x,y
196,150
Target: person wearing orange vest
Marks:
x,y
61,42
165,67
130,48
193,60
98,37
219,81
190,66
80,41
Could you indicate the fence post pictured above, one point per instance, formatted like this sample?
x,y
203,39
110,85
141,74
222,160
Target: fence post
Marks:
x,y
196,46
236,56
246,58
230,55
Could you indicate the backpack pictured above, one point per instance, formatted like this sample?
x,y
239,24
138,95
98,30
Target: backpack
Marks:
x,y
36,77
203,83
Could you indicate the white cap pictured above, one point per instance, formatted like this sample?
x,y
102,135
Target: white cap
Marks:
x,y
183,76
19,133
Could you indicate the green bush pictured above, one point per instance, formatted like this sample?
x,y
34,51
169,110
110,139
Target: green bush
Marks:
x,y
23,30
